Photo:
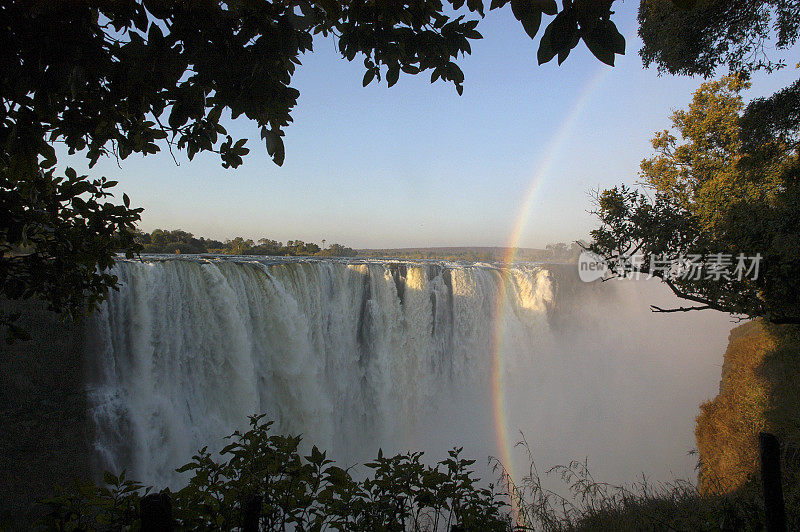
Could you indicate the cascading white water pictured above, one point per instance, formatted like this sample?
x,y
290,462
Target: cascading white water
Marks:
x,y
351,355
357,355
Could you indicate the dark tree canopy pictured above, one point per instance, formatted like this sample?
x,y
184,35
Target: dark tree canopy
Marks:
x,y
116,77
707,34
776,117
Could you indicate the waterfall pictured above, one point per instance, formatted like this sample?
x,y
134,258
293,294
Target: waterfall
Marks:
x,y
351,354
361,354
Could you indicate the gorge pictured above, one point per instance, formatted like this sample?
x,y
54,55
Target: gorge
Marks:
x,y
360,354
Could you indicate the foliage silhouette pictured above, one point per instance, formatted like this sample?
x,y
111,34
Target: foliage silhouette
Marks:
x,y
706,35
302,492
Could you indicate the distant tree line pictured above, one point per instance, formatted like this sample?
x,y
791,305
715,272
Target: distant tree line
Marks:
x,y
182,242
451,254
559,252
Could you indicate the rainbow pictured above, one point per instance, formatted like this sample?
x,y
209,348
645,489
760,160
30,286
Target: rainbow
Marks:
x,y
541,173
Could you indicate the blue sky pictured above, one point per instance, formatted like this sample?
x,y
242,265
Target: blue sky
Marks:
x,y
417,165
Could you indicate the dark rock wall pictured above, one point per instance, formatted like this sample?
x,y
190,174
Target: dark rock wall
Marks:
x,y
45,435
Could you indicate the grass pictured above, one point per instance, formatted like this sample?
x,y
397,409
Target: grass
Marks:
x,y
593,505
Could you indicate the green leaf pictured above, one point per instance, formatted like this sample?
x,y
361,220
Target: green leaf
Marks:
x,y
280,152
178,115
546,51
617,39
520,8
528,14
604,41
564,34
548,7
603,54
531,23
369,75
476,5
392,75
18,333
47,151
684,4
154,35
215,114
271,138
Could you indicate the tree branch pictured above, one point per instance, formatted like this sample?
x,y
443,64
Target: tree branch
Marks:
x,y
654,308
697,299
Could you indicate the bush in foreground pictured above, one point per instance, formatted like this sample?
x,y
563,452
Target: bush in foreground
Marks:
x,y
264,477
294,491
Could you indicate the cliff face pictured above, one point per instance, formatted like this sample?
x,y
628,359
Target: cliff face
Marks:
x,y
759,391
44,430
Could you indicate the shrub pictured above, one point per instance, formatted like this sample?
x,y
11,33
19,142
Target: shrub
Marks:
x,y
294,491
